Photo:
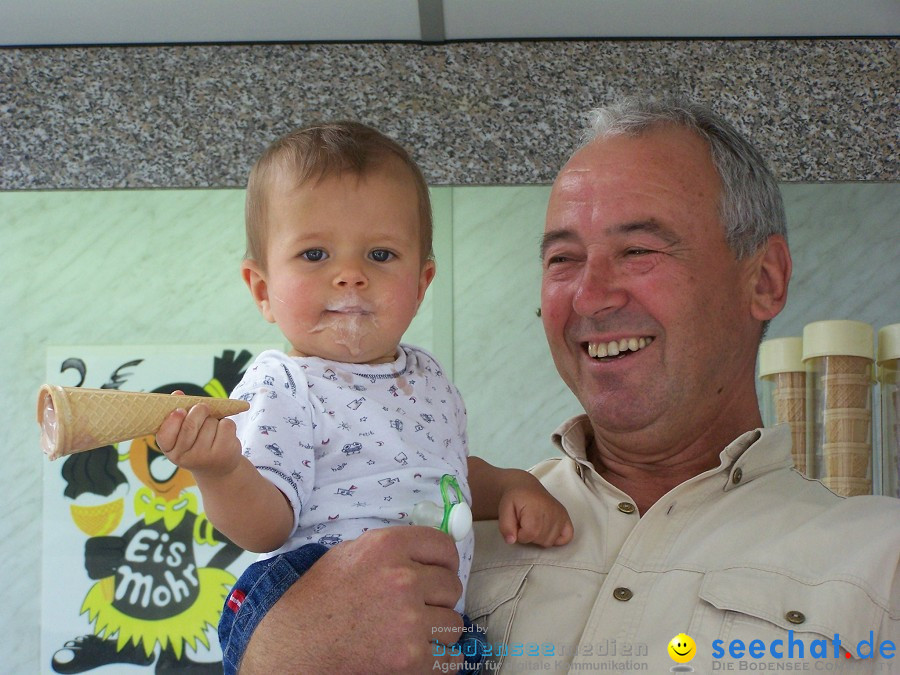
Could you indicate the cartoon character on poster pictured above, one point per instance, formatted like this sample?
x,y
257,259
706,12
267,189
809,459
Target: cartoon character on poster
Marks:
x,y
151,599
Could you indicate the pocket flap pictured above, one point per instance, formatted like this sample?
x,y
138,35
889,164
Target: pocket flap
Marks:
x,y
825,607
491,587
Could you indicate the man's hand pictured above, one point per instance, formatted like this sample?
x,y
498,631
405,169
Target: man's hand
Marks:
x,y
375,604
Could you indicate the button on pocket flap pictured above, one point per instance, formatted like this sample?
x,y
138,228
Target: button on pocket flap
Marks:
x,y
826,607
491,587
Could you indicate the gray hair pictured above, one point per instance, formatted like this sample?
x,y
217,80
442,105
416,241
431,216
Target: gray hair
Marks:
x,y
751,208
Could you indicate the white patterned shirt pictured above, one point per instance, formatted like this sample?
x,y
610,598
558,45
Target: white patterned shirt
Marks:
x,y
354,446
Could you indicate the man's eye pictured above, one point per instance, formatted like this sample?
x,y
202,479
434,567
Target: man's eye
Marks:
x,y
314,255
638,251
556,259
381,255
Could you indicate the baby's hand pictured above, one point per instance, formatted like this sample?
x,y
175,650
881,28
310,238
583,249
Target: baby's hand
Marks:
x,y
528,514
195,440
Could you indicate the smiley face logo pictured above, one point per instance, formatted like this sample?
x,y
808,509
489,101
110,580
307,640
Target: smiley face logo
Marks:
x,y
682,648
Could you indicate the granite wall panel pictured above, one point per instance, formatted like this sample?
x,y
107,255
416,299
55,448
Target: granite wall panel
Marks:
x,y
474,113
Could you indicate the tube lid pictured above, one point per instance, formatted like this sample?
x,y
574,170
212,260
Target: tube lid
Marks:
x,y
838,338
781,355
889,343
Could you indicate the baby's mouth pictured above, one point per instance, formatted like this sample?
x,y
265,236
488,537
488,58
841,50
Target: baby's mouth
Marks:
x,y
349,311
617,348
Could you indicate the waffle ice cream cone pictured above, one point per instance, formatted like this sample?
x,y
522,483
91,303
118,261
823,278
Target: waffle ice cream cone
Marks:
x,y
847,391
798,445
847,425
790,405
789,380
848,487
73,419
846,365
99,519
847,460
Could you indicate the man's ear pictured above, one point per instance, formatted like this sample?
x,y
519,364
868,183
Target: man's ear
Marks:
x,y
770,278
255,278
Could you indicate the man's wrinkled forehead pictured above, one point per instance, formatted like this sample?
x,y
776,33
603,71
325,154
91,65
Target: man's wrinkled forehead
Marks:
x,y
573,196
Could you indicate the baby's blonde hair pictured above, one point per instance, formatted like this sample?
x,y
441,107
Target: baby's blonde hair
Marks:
x,y
319,151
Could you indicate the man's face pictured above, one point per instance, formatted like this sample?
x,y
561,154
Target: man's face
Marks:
x,y
646,309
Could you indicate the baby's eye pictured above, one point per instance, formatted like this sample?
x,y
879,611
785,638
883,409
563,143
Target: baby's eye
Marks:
x,y
314,255
381,255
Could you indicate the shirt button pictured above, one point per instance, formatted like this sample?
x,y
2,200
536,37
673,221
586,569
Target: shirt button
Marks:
x,y
623,594
626,507
795,617
737,475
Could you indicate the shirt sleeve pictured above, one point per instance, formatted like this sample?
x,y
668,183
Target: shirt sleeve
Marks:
x,y
276,433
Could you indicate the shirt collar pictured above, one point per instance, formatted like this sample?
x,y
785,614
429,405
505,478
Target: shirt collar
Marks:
x,y
771,450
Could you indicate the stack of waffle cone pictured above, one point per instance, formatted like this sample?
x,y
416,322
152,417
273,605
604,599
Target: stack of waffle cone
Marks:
x,y
74,419
846,394
789,396
895,446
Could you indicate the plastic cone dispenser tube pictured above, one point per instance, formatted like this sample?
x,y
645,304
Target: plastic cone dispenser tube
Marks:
x,y
783,389
838,357
889,388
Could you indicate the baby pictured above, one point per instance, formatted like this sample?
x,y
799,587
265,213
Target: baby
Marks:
x,y
350,429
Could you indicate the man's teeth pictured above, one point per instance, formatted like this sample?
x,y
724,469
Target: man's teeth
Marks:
x,y
601,350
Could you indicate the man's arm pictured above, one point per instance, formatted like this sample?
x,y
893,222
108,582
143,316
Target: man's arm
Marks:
x,y
371,605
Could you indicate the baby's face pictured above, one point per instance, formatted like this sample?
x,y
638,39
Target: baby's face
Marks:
x,y
344,274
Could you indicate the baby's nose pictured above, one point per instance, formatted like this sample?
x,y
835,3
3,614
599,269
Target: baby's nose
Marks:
x,y
351,275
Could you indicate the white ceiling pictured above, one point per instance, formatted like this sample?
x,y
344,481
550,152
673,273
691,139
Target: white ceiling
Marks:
x,y
55,22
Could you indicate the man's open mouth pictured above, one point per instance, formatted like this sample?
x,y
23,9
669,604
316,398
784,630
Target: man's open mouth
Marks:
x,y
617,348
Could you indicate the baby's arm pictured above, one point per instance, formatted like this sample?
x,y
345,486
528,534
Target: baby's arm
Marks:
x,y
243,505
526,512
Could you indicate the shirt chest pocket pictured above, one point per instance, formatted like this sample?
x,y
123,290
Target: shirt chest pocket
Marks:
x,y
761,615
491,600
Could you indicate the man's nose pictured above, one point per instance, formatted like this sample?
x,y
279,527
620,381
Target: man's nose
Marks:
x,y
599,290
351,275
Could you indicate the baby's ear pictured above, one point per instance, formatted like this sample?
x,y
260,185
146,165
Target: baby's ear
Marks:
x,y
255,277
770,279
426,276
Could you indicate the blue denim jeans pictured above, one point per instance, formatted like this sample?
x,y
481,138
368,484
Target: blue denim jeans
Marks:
x,y
265,581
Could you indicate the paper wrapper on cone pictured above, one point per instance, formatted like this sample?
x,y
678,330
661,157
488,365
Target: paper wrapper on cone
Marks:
x,y
74,419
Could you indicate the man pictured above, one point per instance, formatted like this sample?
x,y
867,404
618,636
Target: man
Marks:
x,y
664,257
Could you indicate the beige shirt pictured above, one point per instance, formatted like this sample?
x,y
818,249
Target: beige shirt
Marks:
x,y
745,552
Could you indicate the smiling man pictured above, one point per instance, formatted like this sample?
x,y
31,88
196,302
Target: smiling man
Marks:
x,y
664,257
634,251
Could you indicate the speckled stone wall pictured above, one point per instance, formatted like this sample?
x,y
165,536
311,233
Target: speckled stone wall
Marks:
x,y
473,113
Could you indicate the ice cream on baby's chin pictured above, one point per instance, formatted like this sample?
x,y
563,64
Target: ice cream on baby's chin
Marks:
x,y
349,327
349,318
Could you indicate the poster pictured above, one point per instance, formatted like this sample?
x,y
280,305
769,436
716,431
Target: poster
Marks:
x,y
134,575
